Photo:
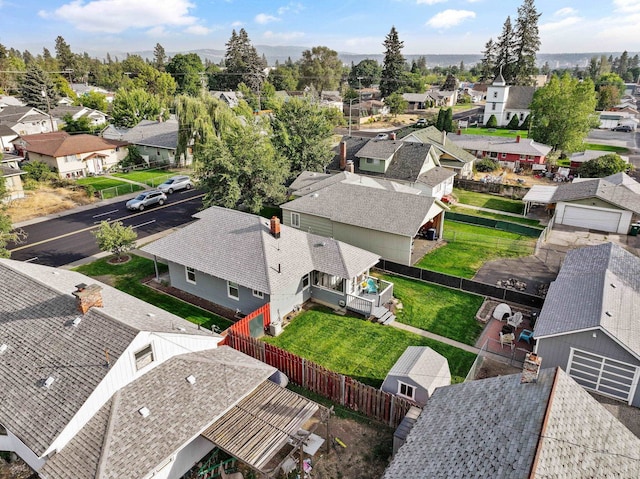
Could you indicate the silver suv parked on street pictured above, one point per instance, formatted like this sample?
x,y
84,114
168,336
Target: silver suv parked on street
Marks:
x,y
146,198
176,183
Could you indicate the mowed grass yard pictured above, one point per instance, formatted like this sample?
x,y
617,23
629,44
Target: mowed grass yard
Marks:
x,y
149,177
442,311
492,202
496,216
361,349
495,132
469,247
101,183
127,277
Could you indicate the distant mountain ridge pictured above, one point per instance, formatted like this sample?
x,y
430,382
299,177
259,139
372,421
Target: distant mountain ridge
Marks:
x,y
282,53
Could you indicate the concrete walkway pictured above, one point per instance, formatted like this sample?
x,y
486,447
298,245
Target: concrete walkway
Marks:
x,y
479,208
435,337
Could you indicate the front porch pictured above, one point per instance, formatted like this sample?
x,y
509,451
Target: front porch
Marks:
x,y
370,297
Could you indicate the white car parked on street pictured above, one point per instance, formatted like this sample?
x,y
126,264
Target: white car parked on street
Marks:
x,y
176,183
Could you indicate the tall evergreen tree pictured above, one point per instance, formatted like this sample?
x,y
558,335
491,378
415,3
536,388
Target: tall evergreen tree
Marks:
x,y
242,62
159,57
64,55
393,65
37,89
505,54
526,43
488,61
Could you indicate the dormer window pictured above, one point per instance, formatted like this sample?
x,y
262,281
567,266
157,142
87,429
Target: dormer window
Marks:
x,y
144,357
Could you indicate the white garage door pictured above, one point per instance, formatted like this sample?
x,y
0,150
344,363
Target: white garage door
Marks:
x,y
604,375
591,218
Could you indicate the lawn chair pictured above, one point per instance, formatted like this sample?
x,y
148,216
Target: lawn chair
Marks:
x,y
515,320
526,335
507,340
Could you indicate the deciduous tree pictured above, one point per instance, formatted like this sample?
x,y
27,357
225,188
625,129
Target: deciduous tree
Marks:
x,y
130,107
115,238
364,74
185,70
396,103
321,68
603,166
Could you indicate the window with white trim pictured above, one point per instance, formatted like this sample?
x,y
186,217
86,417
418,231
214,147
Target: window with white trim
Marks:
x,y
258,294
190,274
233,291
305,281
406,390
295,220
493,106
144,357
328,281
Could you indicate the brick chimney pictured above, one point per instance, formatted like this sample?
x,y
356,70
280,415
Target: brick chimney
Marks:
x,y
458,131
274,227
350,168
517,138
88,297
444,137
531,368
343,155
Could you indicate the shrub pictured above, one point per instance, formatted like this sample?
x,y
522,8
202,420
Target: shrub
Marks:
x,y
513,123
30,184
492,122
603,166
38,171
90,190
486,165
133,158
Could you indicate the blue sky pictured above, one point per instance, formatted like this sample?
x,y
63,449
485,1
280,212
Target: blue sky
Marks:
x,y
425,26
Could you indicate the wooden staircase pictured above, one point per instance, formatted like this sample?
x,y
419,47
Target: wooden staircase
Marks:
x,y
382,315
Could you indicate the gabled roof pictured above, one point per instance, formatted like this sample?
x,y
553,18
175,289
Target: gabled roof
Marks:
x,y
6,131
597,287
238,247
373,204
307,178
415,97
119,442
58,146
522,146
379,149
423,365
435,176
61,111
617,195
11,115
519,97
624,180
434,136
500,428
162,134
36,315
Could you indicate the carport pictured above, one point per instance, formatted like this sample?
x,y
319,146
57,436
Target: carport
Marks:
x,y
538,195
257,428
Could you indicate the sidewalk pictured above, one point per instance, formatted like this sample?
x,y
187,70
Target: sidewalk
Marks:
x,y
498,212
435,337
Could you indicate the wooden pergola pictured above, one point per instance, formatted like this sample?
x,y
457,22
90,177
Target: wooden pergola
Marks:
x,y
257,428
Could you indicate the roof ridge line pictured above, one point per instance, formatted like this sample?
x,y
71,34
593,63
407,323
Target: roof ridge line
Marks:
x,y
545,420
264,250
115,400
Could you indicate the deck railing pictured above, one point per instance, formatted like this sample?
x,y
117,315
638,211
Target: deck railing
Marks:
x,y
360,305
386,293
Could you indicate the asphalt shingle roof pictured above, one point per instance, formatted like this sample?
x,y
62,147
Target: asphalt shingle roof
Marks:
x,y
238,247
519,97
499,144
492,428
36,311
60,145
423,365
617,195
118,442
592,282
163,134
434,136
373,205
379,149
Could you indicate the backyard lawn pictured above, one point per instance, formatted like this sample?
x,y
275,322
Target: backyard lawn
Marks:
x,y
495,132
127,277
606,148
361,349
442,311
469,247
150,177
101,183
492,202
495,216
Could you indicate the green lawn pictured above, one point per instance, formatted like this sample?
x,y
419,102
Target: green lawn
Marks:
x,y
495,132
126,277
150,177
485,200
495,216
469,247
442,311
607,148
100,182
363,350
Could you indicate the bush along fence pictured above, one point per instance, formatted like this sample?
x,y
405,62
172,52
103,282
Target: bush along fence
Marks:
x,y
341,389
463,284
496,224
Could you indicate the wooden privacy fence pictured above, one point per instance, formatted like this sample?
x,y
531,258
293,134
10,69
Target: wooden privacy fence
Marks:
x,y
341,389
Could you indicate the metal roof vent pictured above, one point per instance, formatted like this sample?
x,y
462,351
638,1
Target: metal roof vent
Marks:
x,y
613,285
182,329
3,348
76,321
314,195
144,411
48,382
191,379
608,313
151,315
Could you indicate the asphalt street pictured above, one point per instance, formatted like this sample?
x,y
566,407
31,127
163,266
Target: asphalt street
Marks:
x,y
62,240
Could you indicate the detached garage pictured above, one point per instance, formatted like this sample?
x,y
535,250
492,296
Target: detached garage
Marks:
x,y
589,324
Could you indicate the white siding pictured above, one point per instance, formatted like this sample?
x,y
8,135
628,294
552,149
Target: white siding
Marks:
x,y
185,459
13,444
584,216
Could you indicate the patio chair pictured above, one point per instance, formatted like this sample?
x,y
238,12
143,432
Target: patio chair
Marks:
x,y
507,340
515,320
526,335
501,310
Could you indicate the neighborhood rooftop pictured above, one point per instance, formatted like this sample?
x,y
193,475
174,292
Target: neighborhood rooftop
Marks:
x,y
516,146
618,195
58,144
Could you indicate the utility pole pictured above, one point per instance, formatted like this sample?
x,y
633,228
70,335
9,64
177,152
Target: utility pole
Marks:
x,y
46,97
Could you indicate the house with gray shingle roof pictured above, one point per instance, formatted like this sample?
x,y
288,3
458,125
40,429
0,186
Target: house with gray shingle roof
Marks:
x,y
368,212
506,101
414,164
241,262
417,101
503,428
26,120
589,322
96,383
95,117
510,152
417,373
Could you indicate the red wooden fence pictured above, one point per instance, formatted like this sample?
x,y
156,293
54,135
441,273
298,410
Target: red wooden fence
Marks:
x,y
242,326
339,388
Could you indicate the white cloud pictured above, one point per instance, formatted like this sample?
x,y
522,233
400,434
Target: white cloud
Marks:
x,y
115,16
197,30
263,18
293,7
560,24
237,24
627,6
565,12
450,18
158,31
282,35
429,2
